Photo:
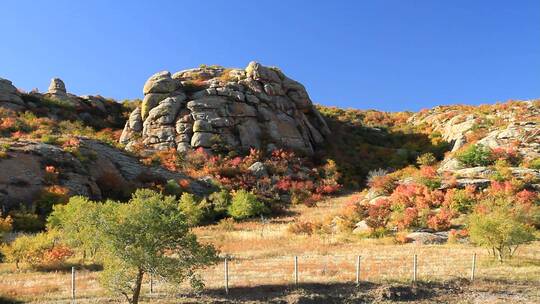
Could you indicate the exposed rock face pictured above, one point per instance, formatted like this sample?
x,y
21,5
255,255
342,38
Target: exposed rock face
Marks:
x,y
517,123
9,96
515,126
106,169
57,86
209,107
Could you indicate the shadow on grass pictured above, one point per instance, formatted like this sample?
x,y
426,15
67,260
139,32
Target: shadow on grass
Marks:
x,y
5,300
331,292
67,267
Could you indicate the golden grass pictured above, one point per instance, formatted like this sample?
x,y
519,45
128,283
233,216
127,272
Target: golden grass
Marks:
x,y
262,253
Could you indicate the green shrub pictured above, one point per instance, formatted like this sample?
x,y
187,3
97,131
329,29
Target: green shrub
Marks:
x,y
49,139
500,227
220,202
476,155
172,188
38,250
431,183
535,164
245,204
190,207
27,221
426,159
462,201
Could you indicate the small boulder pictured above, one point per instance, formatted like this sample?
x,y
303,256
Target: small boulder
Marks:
x,y
258,169
361,227
160,82
479,183
425,238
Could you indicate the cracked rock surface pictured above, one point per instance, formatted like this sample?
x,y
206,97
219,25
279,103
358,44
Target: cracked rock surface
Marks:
x,y
234,109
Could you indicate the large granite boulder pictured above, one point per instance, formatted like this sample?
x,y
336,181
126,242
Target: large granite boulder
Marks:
x,y
236,109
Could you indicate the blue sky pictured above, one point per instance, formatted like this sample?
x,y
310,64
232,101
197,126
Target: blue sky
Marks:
x,y
387,55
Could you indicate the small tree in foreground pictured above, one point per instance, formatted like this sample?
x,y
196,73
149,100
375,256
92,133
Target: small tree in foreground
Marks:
x,y
147,235
501,227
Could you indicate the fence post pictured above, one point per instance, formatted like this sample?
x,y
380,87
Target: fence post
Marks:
x,y
473,267
415,267
296,270
357,270
226,276
73,285
151,284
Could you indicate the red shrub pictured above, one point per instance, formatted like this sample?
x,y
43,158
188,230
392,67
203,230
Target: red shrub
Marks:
x,y
379,213
441,220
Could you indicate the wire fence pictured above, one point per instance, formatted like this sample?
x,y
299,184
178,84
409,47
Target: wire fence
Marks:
x,y
368,266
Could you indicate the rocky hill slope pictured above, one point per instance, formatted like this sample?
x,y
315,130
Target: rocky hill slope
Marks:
x,y
227,127
55,145
218,108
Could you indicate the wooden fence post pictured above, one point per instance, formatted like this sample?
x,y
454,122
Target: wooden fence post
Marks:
x,y
473,267
415,267
296,270
357,270
73,285
151,284
226,276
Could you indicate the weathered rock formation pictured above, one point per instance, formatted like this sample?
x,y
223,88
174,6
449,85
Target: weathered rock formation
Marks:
x,y
101,170
58,104
213,107
517,125
9,96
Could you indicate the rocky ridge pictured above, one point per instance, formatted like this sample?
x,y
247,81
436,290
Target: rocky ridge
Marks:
x,y
218,108
59,104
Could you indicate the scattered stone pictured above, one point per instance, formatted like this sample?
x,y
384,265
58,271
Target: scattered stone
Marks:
x,y
361,227
258,169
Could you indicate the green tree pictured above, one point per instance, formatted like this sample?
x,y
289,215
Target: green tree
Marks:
x,y
78,221
30,249
245,204
149,235
501,227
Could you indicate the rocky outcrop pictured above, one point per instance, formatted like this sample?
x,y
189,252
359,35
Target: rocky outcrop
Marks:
x,y
9,96
234,109
516,125
58,104
99,170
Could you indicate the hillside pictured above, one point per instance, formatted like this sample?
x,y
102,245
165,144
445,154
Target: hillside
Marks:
x,y
243,160
236,110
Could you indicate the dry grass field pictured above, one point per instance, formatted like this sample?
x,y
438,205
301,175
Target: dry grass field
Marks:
x,y
261,270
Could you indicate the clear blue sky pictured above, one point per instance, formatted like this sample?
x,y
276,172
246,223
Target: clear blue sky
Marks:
x,y
388,55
